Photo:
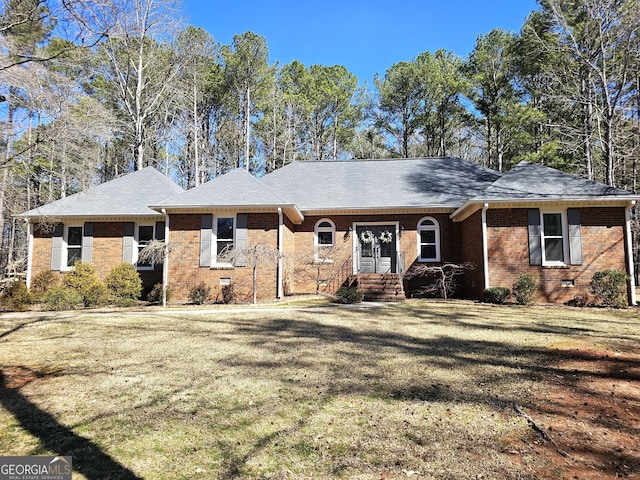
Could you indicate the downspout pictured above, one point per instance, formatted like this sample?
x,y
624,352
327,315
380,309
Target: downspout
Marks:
x,y
485,246
630,266
165,263
280,250
29,251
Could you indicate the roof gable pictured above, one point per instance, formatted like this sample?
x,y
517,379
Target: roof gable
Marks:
x,y
129,195
234,189
534,181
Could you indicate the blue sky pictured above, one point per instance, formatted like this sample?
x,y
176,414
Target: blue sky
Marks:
x,y
366,36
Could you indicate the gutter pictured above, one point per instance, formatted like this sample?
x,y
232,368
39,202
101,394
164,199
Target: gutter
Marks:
x,y
165,263
279,272
630,265
29,251
485,246
619,201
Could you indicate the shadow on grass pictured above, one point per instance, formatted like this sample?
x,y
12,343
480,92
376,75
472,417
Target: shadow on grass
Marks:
x,y
88,458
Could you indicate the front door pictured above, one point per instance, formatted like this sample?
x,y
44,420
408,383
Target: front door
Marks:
x,y
376,248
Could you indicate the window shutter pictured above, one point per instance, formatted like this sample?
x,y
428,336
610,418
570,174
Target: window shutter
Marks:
x,y
535,244
160,231
56,247
87,242
127,242
241,238
206,222
575,236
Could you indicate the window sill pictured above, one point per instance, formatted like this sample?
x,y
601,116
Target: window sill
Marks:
x,y
222,266
557,266
429,260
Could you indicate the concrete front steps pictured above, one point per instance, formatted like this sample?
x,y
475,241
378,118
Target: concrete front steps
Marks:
x,y
379,287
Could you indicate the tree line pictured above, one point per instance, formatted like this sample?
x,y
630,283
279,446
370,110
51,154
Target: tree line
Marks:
x,y
92,90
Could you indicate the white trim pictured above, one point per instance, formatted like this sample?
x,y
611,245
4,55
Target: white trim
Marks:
x,y
630,266
64,254
436,229
318,229
136,247
279,273
565,237
485,246
29,251
165,263
214,238
354,242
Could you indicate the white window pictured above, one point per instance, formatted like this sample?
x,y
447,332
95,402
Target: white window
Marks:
x,y
144,235
223,235
554,238
324,238
73,242
428,240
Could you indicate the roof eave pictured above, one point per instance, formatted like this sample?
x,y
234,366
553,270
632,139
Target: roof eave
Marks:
x,y
471,206
292,210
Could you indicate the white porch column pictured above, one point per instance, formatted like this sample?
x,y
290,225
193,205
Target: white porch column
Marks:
x,y
485,246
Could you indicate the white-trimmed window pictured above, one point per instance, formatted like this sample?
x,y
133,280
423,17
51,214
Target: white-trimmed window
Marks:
x,y
73,245
144,235
223,236
324,238
428,240
554,237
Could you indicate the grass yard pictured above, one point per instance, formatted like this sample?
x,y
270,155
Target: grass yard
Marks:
x,y
415,390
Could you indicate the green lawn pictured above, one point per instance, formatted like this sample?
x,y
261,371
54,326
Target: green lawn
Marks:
x,y
412,390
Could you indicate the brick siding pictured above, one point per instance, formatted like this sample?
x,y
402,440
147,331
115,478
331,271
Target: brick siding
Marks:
x,y
603,247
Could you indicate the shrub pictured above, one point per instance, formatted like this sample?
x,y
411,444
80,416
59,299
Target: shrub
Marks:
x,y
227,293
17,297
497,295
610,287
83,280
61,298
525,288
155,295
125,284
199,293
349,294
43,282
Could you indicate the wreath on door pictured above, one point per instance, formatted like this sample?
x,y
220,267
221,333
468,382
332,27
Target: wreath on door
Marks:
x,y
367,236
386,236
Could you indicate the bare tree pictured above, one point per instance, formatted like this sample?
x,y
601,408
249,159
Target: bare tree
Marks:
x,y
443,277
254,256
140,66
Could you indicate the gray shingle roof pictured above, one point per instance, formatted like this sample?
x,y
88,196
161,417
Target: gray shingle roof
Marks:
x,y
362,184
129,195
535,181
236,188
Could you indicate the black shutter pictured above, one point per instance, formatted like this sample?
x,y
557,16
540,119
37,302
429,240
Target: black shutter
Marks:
x,y
127,242
87,242
535,241
56,247
206,222
575,236
241,239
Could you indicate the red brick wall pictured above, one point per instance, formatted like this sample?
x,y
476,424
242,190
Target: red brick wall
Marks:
x,y
603,247
472,282
184,262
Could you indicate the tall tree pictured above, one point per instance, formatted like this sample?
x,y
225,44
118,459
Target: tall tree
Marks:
x,y
400,103
248,74
140,67
490,70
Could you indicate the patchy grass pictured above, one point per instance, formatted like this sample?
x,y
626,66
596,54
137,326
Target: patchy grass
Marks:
x,y
419,389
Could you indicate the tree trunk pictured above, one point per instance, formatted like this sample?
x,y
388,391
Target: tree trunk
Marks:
x,y
247,127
